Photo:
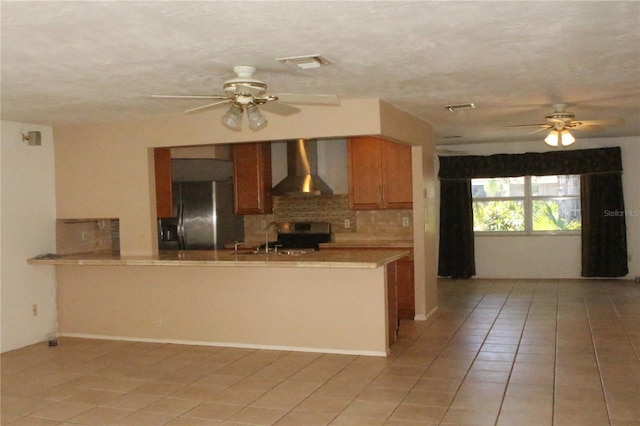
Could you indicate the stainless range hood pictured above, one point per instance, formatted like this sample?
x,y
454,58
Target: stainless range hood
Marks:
x,y
302,171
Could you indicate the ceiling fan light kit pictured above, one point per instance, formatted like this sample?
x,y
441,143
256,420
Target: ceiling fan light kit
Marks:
x,y
256,119
233,117
566,138
562,137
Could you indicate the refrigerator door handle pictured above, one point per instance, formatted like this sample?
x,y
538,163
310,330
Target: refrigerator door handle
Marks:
x,y
181,239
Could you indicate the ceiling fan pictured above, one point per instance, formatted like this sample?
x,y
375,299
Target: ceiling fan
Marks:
x,y
245,93
560,121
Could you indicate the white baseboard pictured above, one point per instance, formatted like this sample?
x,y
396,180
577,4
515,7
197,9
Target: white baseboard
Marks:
x,y
425,317
228,344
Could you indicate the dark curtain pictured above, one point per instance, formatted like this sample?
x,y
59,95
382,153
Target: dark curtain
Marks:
x,y
600,160
456,258
604,237
604,245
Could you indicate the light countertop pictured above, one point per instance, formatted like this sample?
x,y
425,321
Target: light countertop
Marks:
x,y
366,244
324,258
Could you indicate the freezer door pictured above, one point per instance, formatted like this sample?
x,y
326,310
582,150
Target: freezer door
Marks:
x,y
229,227
197,216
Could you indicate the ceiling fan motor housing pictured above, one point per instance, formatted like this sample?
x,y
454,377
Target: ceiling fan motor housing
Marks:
x,y
244,87
560,117
244,83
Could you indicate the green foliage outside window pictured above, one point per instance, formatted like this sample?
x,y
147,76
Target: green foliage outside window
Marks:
x,y
498,216
524,204
547,217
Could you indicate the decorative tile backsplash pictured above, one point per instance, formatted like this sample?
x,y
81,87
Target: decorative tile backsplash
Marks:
x,y
87,235
362,224
329,208
381,225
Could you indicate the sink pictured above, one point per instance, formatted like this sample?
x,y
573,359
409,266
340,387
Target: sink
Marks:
x,y
244,252
295,252
281,252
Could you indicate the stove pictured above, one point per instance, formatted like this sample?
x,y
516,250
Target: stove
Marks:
x,y
303,235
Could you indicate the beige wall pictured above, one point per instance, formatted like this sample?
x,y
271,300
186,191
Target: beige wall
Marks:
x,y
318,309
28,229
425,229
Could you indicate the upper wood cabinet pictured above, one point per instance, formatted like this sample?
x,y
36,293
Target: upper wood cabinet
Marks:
x,y
252,178
164,196
379,174
396,176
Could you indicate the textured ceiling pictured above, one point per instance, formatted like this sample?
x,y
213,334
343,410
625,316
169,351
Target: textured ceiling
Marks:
x,y
83,62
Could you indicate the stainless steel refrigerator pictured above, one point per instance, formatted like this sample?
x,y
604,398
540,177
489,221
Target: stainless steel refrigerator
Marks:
x,y
203,217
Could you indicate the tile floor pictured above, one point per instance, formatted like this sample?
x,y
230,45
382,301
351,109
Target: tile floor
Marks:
x,y
498,352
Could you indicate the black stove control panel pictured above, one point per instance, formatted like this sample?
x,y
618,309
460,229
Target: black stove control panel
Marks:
x,y
304,228
303,234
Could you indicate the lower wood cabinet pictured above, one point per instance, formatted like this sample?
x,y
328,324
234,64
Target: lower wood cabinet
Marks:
x,y
392,301
406,292
400,294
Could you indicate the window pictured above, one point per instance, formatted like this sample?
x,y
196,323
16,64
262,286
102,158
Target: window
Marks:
x,y
527,204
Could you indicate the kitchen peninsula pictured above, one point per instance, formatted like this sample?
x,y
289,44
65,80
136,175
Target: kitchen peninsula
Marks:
x,y
222,299
297,303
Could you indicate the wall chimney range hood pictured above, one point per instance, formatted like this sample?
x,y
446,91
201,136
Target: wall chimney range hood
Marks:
x,y
302,171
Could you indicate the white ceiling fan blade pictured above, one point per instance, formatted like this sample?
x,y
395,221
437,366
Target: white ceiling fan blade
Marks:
x,y
294,98
278,108
589,128
529,125
614,122
191,96
208,106
542,129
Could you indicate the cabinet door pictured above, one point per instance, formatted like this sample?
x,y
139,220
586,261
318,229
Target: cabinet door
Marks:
x,y
252,178
406,292
164,197
365,173
396,175
392,302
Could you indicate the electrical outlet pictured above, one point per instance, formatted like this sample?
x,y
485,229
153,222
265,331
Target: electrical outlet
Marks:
x,y
405,222
34,309
347,224
263,224
85,235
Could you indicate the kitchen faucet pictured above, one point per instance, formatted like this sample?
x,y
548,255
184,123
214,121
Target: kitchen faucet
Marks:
x,y
266,237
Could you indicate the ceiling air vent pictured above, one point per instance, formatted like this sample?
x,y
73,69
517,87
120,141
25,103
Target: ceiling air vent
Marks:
x,y
305,62
458,107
